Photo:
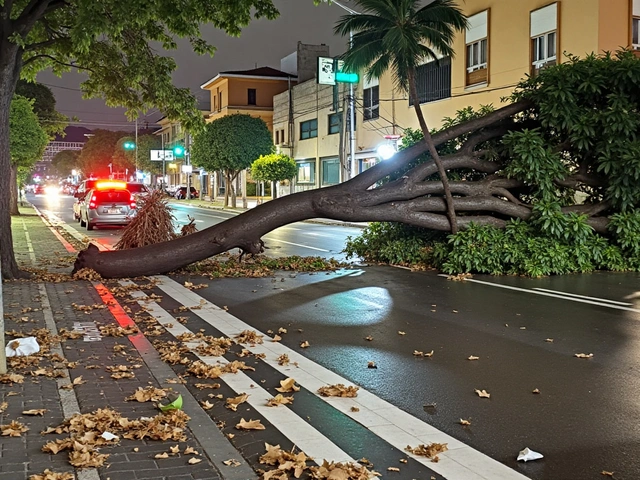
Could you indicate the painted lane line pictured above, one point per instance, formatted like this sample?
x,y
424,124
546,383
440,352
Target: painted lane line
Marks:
x,y
301,433
390,423
298,245
537,292
606,300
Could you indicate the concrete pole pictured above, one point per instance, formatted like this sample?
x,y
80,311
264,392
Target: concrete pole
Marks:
x,y
352,121
244,188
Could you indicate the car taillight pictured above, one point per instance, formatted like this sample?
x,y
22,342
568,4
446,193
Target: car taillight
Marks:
x,y
132,202
92,203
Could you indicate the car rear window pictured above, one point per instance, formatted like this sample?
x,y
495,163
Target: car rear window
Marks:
x,y
113,196
137,188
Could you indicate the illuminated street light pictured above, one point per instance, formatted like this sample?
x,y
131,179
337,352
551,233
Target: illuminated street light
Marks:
x,y
386,151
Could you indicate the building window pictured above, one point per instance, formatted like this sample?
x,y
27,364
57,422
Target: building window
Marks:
x,y
277,137
635,28
219,101
433,81
334,123
477,48
309,129
371,102
544,37
306,172
251,96
330,171
282,139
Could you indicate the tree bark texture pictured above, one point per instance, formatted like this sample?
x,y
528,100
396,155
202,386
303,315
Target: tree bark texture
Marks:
x,y
10,64
13,202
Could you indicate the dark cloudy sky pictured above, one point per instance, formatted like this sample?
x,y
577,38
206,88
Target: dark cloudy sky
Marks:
x,y
262,43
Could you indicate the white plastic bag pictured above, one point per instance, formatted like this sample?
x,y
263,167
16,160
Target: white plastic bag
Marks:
x,y
527,455
21,347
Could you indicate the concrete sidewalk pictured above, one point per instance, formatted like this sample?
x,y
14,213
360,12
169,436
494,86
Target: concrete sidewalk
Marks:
x,y
94,355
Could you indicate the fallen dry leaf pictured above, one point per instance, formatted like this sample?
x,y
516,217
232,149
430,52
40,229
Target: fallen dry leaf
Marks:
x,y
13,429
549,340
483,393
50,475
3,406
39,411
535,390
283,360
206,405
464,422
232,462
276,338
400,332
339,390
148,394
279,399
430,451
305,344
161,455
369,338
232,403
175,449
11,378
393,469
250,425
372,365
288,385
248,336
473,357
354,409
607,474
194,460
190,451
418,353
584,355
78,380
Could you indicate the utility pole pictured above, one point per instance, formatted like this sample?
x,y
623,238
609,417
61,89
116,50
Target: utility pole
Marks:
x,y
352,122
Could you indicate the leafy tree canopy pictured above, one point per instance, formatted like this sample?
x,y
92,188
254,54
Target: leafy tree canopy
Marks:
x,y
275,167
27,138
98,152
65,162
123,158
44,106
231,143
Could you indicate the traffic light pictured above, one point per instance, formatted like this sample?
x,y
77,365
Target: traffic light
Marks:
x,y
129,145
178,151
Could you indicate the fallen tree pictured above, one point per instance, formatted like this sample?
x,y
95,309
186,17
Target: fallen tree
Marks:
x,y
564,149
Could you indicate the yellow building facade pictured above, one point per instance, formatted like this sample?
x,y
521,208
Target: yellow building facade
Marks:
x,y
505,41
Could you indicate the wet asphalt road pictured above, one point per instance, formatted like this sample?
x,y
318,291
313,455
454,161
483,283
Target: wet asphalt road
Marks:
x,y
585,418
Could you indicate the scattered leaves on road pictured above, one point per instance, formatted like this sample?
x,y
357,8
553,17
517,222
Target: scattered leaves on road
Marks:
x,y
250,425
418,353
232,462
194,460
248,336
305,344
430,451
11,378
13,429
283,360
147,394
35,411
339,390
483,393
50,475
288,385
233,402
279,399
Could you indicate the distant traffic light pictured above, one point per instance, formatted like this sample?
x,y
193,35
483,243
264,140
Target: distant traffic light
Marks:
x,y
178,151
128,145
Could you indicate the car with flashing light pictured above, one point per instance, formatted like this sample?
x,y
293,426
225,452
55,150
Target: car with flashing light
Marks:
x,y
109,203
137,188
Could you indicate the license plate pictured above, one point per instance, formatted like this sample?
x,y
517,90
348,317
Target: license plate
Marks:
x,y
113,210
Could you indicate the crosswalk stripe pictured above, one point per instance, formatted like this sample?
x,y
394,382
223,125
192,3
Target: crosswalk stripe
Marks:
x,y
390,423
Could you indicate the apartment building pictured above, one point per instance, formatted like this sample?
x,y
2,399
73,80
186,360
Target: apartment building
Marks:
x,y
505,40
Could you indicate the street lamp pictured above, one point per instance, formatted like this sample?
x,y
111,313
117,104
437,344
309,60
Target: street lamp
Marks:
x,y
352,102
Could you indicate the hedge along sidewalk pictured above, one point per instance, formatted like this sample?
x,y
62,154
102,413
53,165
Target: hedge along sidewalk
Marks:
x,y
21,456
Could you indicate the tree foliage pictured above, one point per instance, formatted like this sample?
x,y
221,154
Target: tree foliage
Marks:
x,y
65,162
98,152
565,173
44,106
27,138
275,167
123,158
231,144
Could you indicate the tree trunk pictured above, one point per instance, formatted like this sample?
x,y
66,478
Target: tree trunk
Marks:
x,y
10,64
13,202
354,200
274,190
226,189
451,213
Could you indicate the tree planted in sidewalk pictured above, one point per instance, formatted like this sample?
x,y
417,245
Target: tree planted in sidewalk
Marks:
x,y
549,171
115,43
276,167
27,143
65,162
231,144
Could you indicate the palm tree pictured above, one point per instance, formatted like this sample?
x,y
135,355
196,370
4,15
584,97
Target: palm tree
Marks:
x,y
401,35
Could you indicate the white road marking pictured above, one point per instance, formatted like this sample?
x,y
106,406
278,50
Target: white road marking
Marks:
x,y
298,245
381,417
563,297
567,294
303,435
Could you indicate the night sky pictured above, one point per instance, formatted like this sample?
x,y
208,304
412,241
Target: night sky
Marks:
x,y
262,43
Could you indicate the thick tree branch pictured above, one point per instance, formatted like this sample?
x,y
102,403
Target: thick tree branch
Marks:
x,y
590,210
371,176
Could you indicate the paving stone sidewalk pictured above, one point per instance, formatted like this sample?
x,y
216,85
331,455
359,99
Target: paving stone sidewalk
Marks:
x,y
41,305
